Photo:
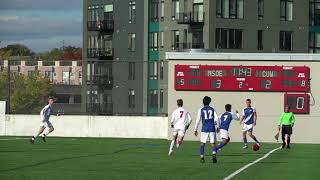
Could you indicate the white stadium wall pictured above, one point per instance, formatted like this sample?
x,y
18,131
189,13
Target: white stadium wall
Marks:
x,y
87,126
269,105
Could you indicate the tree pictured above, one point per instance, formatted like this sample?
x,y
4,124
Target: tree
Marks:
x,y
27,94
18,50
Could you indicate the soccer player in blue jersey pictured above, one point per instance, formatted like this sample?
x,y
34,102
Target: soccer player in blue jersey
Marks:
x,y
225,121
249,119
209,118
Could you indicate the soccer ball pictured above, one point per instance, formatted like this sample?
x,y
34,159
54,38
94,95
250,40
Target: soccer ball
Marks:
x,y
255,147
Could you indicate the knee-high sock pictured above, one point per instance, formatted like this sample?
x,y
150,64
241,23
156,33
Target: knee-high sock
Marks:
x,y
220,146
245,141
255,139
36,135
288,139
202,150
171,145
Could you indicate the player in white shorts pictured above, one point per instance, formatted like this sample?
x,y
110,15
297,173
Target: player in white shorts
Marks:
x,y
249,119
45,123
225,121
180,122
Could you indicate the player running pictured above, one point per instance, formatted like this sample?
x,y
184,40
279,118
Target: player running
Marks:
x,y
225,121
249,117
180,121
209,118
45,123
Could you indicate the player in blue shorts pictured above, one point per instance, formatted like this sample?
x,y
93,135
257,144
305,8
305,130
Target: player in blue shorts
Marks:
x,y
209,118
249,119
225,121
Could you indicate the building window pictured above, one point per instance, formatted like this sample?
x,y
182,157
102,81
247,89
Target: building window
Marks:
x,y
229,9
260,40
161,70
161,98
132,42
131,98
154,11
314,42
153,70
175,10
229,38
65,77
285,40
198,14
154,41
153,98
161,39
314,12
132,12
162,10
260,9
286,10
132,71
175,39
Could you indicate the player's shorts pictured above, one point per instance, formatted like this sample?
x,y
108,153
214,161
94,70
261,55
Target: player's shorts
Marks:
x,y
180,132
224,134
287,129
46,124
247,127
206,135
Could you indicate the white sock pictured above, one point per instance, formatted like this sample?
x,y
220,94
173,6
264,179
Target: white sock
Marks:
x,y
36,135
171,145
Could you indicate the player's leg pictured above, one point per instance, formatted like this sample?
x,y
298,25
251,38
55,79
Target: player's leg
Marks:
x,y
180,138
289,131
212,136
283,136
225,139
253,136
33,138
174,137
245,141
51,128
203,140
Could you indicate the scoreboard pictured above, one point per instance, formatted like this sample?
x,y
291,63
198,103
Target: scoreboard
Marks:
x,y
242,78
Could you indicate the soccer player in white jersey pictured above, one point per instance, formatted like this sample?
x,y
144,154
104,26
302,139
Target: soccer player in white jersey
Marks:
x,y
209,119
180,121
249,119
45,123
225,121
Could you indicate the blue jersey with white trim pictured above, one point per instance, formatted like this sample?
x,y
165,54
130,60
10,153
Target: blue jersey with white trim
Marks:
x,y
248,113
207,117
226,119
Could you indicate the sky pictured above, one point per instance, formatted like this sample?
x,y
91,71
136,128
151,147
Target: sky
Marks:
x,y
41,24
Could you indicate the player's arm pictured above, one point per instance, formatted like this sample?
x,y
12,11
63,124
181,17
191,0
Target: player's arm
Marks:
x,y
236,116
172,119
217,121
254,117
197,122
242,118
280,121
189,119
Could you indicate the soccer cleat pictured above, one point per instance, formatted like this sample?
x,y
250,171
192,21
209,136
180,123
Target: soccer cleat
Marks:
x,y
44,138
32,140
214,158
283,145
202,160
245,147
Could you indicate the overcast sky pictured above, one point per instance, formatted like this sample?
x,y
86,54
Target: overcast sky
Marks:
x,y
41,24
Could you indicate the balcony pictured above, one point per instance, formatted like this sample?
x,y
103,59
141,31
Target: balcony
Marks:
x,y
192,18
181,46
100,53
105,26
100,108
103,81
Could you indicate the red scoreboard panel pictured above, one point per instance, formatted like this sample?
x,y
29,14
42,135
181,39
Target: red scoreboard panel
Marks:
x,y
298,103
242,78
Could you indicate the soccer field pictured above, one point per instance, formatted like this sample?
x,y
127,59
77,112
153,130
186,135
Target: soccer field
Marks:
x,y
102,158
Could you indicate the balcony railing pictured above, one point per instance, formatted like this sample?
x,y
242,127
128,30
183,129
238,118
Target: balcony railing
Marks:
x,y
103,81
192,18
100,108
101,53
181,46
106,26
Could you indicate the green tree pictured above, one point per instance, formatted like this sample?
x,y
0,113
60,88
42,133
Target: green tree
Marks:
x,y
18,50
27,93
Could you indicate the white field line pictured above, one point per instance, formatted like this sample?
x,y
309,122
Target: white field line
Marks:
x,y
12,139
250,164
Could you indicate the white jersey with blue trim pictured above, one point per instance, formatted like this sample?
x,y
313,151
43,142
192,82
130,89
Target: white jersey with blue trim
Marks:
x,y
248,114
46,112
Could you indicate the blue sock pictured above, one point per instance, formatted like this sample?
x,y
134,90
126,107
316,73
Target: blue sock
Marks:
x,y
214,149
202,150
255,139
220,146
245,140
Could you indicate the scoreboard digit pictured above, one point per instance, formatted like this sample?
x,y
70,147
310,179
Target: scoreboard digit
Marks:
x,y
298,103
